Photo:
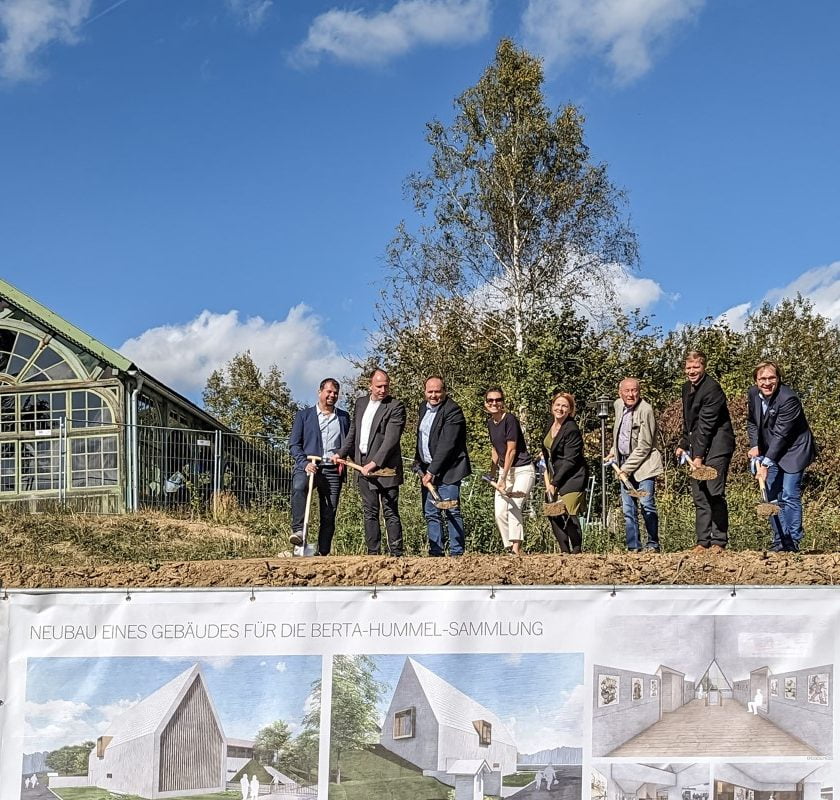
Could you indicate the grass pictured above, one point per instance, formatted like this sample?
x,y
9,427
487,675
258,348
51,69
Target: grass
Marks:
x,y
518,779
76,539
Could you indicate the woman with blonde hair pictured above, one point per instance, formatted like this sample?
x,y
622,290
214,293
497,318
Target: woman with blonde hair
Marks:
x,y
566,472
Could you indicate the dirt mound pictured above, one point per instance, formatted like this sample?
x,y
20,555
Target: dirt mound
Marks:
x,y
741,568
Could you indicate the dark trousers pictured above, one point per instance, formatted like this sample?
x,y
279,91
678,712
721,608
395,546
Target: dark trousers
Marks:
x,y
566,529
328,484
711,514
373,495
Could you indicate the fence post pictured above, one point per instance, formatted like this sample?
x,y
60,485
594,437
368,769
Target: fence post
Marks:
x,y
217,464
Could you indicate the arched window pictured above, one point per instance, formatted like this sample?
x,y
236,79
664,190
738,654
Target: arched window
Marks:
x,y
26,359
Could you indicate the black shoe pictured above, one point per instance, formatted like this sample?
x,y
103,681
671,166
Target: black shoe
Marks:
x,y
296,538
649,548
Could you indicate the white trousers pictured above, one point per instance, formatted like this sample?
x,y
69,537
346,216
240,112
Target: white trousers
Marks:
x,y
508,513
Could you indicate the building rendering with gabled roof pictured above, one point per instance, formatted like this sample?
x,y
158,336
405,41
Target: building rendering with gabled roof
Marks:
x,y
170,744
433,725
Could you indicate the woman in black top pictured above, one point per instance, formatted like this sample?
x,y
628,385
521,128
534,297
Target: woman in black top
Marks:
x,y
515,469
566,471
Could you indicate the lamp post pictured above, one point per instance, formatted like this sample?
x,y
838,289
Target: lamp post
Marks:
x,y
602,409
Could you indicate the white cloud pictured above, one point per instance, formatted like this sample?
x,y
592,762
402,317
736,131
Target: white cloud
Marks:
x,y
280,666
735,317
29,26
376,38
632,291
624,32
820,285
250,13
556,725
184,355
55,723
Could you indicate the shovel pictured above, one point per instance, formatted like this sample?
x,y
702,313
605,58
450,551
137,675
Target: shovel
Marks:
x,y
765,508
551,508
439,502
300,548
506,495
382,472
701,473
625,481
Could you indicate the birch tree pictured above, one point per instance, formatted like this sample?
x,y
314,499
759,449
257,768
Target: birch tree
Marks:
x,y
514,216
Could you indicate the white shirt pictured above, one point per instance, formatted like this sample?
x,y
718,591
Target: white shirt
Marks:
x,y
367,421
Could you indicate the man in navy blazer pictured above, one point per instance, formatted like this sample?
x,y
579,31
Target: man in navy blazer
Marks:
x,y
441,459
782,445
318,430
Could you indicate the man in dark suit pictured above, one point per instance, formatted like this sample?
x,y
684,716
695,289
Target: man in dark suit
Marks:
x,y
707,438
782,446
374,442
319,430
441,458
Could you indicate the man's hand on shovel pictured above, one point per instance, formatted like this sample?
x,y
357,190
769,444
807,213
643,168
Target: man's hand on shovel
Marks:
x,y
625,481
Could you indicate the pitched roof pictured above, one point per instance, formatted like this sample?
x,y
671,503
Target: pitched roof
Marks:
x,y
64,328
148,715
455,709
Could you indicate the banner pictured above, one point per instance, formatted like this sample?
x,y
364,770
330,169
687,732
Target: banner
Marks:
x,y
682,693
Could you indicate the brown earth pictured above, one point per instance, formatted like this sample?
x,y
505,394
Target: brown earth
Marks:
x,y
740,568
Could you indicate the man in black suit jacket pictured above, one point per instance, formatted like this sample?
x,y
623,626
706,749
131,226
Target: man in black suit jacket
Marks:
x,y
441,458
782,447
707,438
374,441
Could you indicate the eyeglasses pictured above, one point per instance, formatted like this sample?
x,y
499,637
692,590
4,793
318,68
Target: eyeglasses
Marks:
x,y
490,400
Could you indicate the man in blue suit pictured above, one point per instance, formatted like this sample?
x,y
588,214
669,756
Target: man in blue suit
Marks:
x,y
782,444
319,430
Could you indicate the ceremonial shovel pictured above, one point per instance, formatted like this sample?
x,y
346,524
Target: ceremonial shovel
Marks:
x,y
701,473
765,508
301,549
382,472
626,483
506,495
439,502
551,508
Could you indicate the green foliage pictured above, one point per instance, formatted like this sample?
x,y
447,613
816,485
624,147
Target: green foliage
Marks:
x,y
70,759
248,401
355,694
272,743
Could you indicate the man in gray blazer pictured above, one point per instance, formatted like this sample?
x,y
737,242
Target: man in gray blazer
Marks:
x,y
374,442
634,450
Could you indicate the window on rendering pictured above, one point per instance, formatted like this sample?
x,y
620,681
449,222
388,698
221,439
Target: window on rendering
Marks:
x,y
483,729
404,723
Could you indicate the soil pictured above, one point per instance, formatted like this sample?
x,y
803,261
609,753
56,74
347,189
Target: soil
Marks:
x,y
738,568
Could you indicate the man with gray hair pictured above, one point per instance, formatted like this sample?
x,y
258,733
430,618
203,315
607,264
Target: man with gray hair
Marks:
x,y
639,461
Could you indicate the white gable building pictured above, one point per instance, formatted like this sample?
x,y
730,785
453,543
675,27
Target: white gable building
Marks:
x,y
434,725
170,744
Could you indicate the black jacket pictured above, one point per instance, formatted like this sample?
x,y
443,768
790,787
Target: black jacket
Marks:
x,y
782,434
384,442
564,459
707,427
447,443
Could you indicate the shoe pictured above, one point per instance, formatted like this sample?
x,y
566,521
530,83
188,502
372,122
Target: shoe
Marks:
x,y
651,548
716,548
296,538
698,548
634,549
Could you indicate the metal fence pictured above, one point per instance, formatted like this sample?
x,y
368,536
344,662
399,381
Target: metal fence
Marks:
x,y
201,470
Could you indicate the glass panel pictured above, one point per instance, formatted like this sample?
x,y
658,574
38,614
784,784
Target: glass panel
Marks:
x,y
47,358
4,360
15,366
42,411
40,464
8,470
25,346
61,372
93,461
34,374
7,340
7,413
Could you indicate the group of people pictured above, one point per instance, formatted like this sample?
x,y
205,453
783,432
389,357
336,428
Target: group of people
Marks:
x,y
325,441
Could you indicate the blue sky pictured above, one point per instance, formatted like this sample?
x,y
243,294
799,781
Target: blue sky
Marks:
x,y
538,695
71,700
188,180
